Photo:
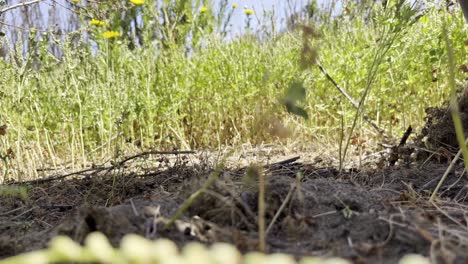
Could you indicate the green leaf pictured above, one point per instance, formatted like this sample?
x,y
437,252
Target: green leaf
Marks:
x,y
295,92
297,110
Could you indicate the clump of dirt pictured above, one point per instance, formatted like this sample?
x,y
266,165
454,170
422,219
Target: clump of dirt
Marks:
x,y
311,209
439,131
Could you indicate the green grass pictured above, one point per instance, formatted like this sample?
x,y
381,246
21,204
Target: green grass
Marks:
x,y
95,107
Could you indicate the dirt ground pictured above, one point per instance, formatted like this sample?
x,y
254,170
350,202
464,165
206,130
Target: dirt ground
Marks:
x,y
374,213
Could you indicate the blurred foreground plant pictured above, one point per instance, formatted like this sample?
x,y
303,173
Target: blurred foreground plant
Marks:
x,y
138,250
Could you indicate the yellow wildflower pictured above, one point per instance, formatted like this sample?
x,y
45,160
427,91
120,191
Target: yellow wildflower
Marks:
x,y
75,1
235,5
97,22
111,34
249,12
137,2
203,9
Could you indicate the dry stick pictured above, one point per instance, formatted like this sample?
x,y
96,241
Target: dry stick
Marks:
x,y
12,211
242,216
286,200
283,162
446,173
105,143
156,153
135,211
394,153
59,177
261,211
102,168
243,204
448,216
8,8
23,213
350,99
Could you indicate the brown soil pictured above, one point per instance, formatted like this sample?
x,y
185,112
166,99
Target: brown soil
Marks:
x,y
373,216
368,215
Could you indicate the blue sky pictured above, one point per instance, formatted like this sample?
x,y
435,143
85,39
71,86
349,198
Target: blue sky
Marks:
x,y
281,8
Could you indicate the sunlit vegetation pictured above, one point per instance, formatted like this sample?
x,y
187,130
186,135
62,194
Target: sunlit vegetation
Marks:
x,y
165,76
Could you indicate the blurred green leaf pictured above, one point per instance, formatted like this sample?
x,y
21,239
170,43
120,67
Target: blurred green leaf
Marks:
x,y
294,94
297,110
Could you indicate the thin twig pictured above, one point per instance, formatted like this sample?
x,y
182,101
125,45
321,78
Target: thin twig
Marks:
x,y
106,143
12,211
152,152
135,211
261,211
283,162
59,177
446,173
280,209
239,212
8,8
448,216
97,169
351,100
60,207
23,213
243,204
